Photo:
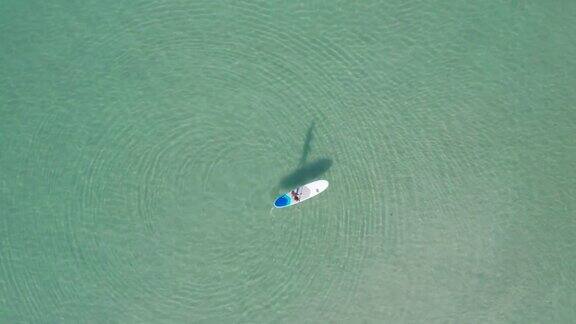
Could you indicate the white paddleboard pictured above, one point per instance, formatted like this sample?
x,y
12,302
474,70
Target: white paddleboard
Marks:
x,y
300,194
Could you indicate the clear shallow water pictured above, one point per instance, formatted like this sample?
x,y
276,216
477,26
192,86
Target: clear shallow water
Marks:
x,y
142,145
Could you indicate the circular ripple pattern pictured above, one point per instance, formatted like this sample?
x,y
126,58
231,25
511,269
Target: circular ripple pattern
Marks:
x,y
174,176
170,127
176,180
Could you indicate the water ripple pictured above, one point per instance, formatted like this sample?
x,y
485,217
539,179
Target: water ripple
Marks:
x,y
203,111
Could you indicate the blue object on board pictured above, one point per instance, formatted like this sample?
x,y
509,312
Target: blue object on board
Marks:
x,y
282,201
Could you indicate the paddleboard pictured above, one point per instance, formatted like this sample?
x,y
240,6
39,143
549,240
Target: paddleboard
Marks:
x,y
300,194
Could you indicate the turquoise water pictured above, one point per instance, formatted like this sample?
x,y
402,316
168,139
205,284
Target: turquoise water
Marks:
x,y
142,145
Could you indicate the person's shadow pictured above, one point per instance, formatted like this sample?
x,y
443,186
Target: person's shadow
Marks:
x,y
306,171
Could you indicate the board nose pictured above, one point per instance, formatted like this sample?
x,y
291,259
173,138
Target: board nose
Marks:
x,y
282,201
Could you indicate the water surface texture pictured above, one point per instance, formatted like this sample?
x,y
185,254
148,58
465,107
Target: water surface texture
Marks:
x,y
142,144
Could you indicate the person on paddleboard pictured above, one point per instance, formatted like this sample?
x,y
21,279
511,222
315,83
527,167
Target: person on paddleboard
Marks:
x,y
295,195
